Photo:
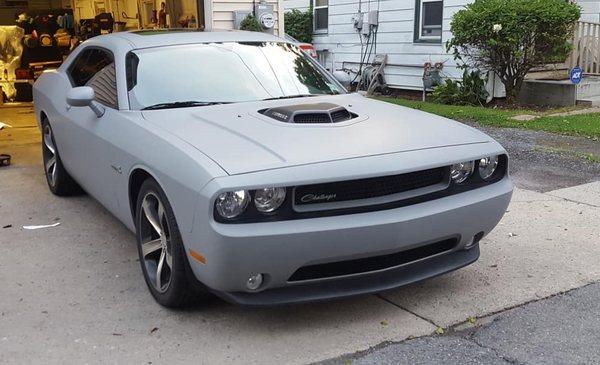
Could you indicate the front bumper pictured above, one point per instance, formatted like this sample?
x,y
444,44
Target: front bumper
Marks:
x,y
357,285
277,249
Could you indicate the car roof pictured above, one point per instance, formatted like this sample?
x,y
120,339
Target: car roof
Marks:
x,y
167,37
290,38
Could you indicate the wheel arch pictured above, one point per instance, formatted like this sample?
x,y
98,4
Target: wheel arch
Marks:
x,y
43,117
136,179
183,198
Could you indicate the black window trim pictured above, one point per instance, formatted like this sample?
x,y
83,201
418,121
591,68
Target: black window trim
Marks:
x,y
72,64
320,31
417,30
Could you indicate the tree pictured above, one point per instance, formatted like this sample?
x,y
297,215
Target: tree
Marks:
x,y
250,23
299,24
511,37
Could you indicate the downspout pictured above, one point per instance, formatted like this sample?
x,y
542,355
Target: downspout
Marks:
x,y
208,24
280,18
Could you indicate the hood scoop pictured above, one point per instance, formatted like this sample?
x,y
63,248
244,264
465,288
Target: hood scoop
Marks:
x,y
318,113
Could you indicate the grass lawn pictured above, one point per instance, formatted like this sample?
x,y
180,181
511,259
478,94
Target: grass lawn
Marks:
x,y
584,125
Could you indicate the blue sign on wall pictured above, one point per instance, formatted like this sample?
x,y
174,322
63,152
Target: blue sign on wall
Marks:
x,y
576,75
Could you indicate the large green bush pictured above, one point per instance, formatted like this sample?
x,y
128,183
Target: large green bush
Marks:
x,y
510,37
250,23
468,91
299,24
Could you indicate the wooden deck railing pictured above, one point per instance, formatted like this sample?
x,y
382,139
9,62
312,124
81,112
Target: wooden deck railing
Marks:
x,y
586,48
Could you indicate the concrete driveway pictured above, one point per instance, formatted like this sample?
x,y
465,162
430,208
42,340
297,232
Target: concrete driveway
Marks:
x,y
74,293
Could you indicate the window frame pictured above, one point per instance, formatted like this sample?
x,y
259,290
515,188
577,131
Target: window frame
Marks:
x,y
315,8
79,55
418,37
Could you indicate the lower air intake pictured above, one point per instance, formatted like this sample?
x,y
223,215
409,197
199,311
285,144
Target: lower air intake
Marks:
x,y
374,263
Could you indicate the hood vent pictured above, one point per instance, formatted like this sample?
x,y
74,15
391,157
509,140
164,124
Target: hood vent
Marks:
x,y
319,113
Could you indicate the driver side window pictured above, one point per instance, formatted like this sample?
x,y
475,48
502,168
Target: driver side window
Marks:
x,y
95,68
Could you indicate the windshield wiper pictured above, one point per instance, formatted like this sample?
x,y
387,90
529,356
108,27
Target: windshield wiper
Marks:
x,y
183,104
293,96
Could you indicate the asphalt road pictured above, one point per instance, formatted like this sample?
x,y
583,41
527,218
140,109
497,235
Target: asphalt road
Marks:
x,y
563,329
74,293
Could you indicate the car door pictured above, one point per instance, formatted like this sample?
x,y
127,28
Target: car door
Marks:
x,y
87,144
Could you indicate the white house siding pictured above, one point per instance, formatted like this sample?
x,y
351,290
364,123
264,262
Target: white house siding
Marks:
x,y
590,10
395,38
302,5
223,15
341,44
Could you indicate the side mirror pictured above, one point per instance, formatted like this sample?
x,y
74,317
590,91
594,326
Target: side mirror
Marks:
x,y
80,96
84,96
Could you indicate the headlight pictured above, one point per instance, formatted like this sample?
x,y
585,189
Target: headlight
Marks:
x,y
268,200
487,167
232,203
459,172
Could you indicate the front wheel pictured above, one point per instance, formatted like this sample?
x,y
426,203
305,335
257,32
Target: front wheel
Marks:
x,y
162,255
59,181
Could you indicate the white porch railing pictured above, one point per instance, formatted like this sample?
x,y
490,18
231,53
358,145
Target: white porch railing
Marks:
x,y
586,48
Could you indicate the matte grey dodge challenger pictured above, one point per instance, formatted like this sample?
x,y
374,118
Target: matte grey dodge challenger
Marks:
x,y
246,170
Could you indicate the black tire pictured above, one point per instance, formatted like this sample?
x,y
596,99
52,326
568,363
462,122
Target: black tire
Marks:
x,y
182,289
59,181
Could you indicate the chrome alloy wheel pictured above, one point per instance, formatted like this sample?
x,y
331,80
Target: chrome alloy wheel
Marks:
x,y
155,240
50,156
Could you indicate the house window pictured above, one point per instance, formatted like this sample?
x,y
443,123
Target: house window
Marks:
x,y
321,15
428,20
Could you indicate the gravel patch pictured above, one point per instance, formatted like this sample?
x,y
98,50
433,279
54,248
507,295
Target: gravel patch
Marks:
x,y
543,161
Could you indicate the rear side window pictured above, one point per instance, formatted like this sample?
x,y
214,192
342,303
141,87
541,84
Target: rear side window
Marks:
x,y
87,64
96,68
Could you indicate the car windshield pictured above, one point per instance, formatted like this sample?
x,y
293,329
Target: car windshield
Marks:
x,y
208,74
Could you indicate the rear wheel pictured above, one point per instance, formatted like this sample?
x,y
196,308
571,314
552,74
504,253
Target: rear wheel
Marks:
x,y
162,255
59,180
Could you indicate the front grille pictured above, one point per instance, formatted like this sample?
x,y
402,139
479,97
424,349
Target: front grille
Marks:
x,y
368,188
374,263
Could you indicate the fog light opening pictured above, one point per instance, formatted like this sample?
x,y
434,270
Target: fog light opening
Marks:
x,y
474,241
254,281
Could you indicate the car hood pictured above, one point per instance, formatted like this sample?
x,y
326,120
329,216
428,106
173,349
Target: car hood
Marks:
x,y
241,140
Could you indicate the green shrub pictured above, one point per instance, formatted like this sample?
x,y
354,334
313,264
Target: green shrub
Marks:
x,y
510,37
468,91
299,24
251,23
